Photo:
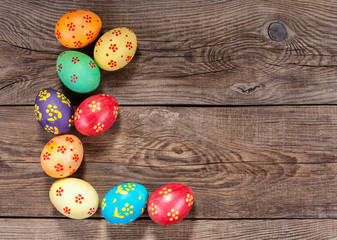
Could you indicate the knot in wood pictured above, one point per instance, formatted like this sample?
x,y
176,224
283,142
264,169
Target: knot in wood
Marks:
x,y
277,32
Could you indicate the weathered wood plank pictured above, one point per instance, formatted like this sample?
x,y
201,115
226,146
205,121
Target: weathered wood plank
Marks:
x,y
189,136
252,162
191,52
241,190
146,229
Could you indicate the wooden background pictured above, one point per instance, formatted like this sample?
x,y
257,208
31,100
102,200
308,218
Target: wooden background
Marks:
x,y
210,100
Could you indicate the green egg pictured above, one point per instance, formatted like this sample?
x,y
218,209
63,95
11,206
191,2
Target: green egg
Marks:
x,y
78,71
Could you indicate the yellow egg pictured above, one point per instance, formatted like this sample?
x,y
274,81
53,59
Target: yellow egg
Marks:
x,y
115,49
74,198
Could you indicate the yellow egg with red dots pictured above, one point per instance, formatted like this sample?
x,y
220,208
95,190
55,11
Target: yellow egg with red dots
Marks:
x,y
78,28
115,49
74,198
62,156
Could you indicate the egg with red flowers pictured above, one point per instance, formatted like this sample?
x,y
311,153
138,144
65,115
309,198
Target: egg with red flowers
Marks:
x,y
74,198
62,156
78,28
115,49
171,203
96,114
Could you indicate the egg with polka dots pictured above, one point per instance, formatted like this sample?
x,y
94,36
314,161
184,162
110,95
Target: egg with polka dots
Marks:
x,y
78,71
96,114
74,198
78,28
171,203
53,111
124,203
115,49
62,156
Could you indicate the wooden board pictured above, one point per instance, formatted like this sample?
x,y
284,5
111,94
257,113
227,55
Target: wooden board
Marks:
x,y
213,99
190,52
252,162
324,229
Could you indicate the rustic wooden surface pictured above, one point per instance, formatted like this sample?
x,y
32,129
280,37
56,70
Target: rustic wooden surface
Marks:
x,y
244,115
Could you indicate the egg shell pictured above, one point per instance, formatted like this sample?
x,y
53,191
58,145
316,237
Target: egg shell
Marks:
x,y
54,112
96,114
78,28
74,198
115,48
62,156
78,71
124,203
171,203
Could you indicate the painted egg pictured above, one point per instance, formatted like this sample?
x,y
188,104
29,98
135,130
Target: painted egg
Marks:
x,y
124,203
169,204
74,198
78,71
62,156
115,49
78,28
54,111
96,114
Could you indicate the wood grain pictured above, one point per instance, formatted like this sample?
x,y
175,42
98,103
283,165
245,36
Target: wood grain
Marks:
x,y
191,52
146,229
251,162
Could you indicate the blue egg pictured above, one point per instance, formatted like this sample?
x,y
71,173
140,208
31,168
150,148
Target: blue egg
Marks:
x,y
124,203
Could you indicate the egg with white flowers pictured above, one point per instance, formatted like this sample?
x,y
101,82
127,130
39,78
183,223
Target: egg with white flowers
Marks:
x,y
124,203
115,49
74,198
54,112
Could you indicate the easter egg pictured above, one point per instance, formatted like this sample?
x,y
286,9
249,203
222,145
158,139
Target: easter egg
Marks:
x,y
96,114
78,28
54,111
169,204
124,203
115,49
62,156
74,198
78,71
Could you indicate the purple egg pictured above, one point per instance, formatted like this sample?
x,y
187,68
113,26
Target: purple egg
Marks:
x,y
54,111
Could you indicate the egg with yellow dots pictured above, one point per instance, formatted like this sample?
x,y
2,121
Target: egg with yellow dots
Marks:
x,y
124,203
171,203
115,49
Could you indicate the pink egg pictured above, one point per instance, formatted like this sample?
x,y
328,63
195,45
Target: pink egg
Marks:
x,y
62,156
96,114
169,204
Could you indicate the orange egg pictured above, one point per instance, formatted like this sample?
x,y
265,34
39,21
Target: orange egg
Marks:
x,y
62,156
78,28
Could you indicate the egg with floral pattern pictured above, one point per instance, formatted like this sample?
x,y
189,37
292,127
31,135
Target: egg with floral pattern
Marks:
x,y
96,114
62,156
54,111
169,204
115,48
78,71
78,28
74,198
124,203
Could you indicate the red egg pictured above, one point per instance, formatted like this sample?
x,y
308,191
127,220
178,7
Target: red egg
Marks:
x,y
169,204
96,114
